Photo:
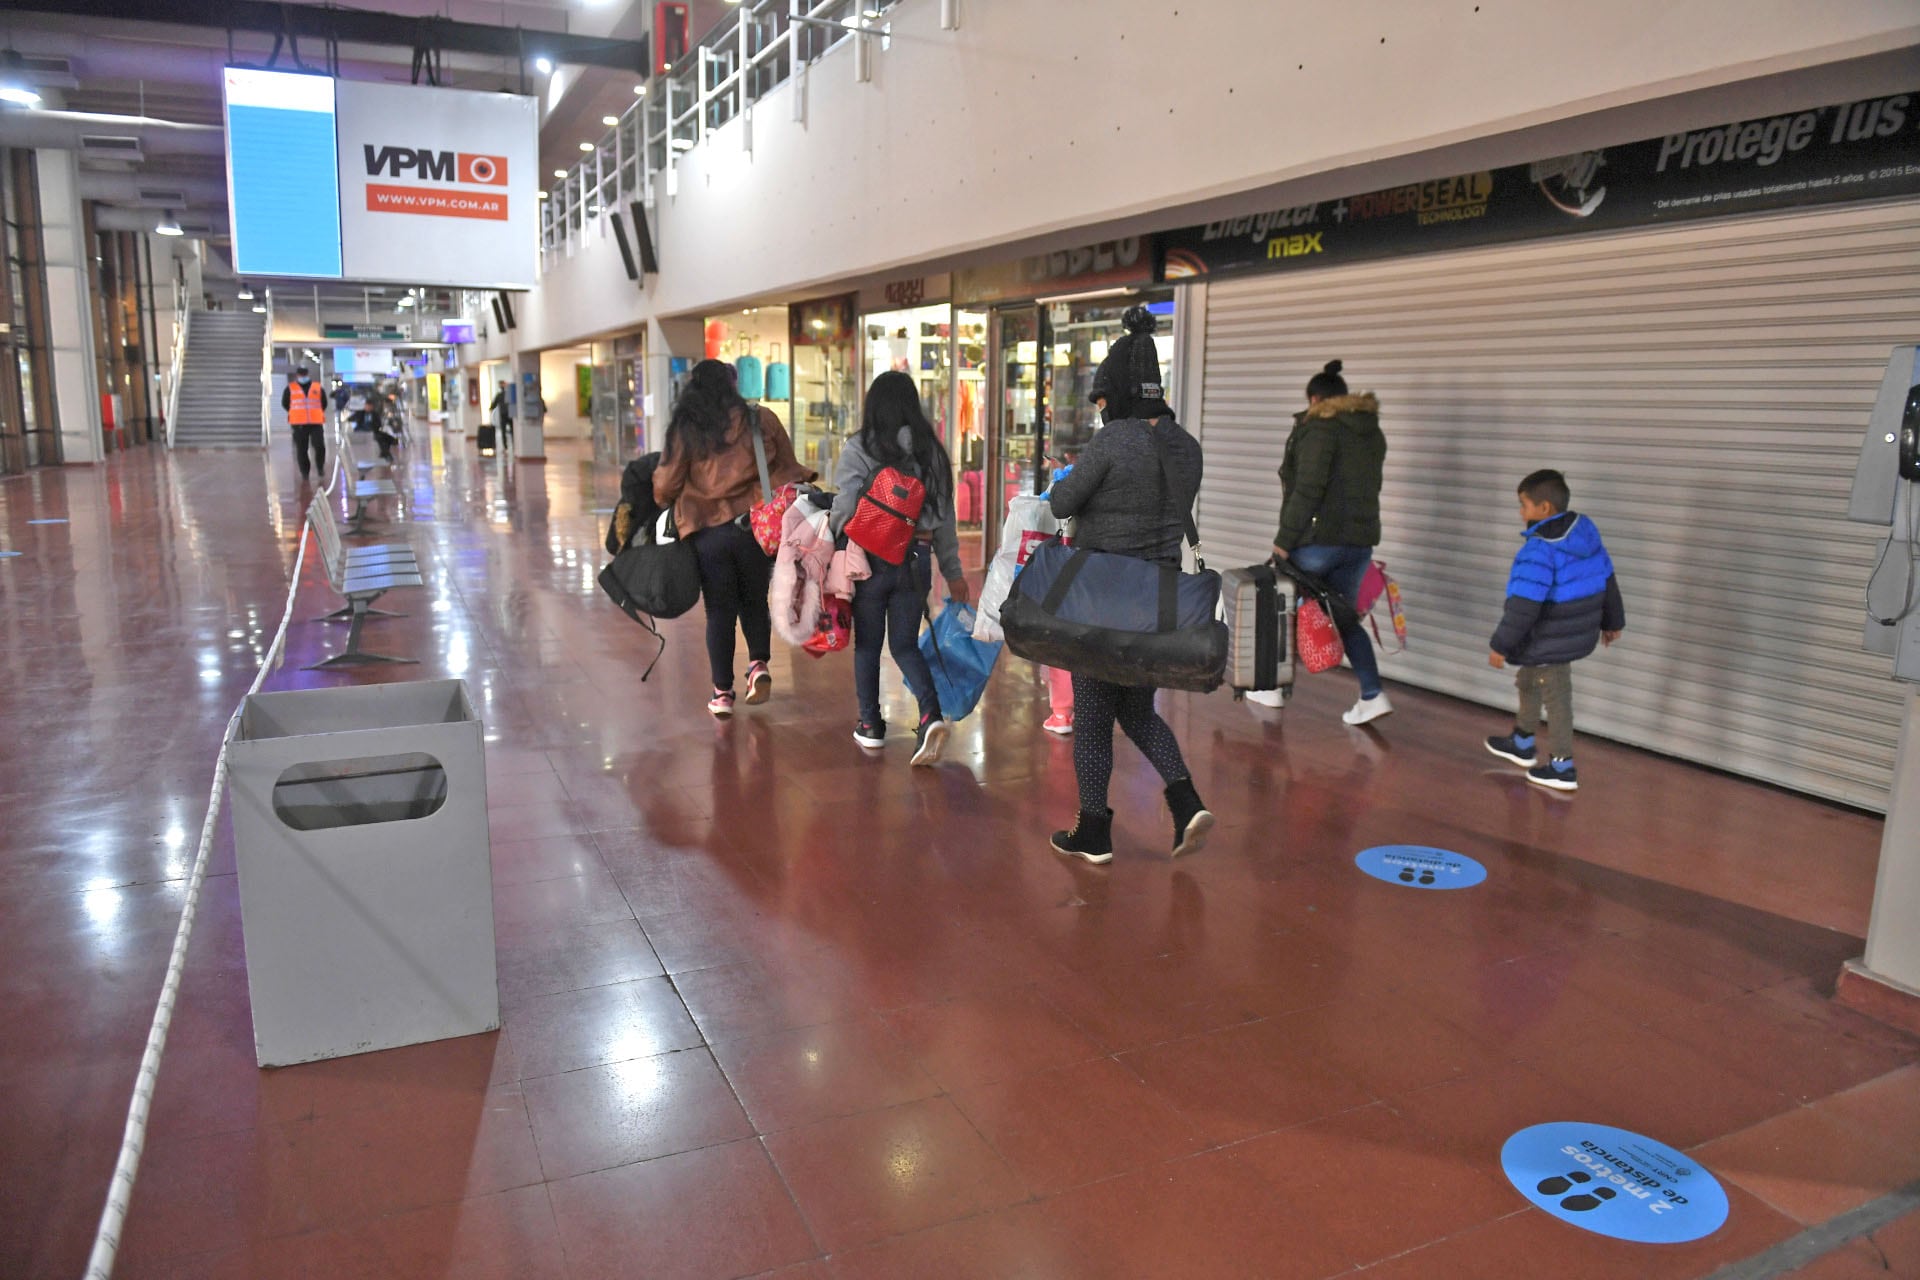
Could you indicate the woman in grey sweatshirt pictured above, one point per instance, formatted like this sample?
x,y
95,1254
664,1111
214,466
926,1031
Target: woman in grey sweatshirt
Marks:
x,y
894,432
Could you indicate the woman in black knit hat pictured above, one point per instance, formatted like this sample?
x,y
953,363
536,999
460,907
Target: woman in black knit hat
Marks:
x,y
1123,502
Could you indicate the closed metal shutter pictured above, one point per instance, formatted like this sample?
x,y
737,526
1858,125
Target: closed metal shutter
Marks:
x,y
1705,388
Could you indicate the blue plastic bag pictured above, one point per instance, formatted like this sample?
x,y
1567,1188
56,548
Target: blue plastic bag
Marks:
x,y
960,663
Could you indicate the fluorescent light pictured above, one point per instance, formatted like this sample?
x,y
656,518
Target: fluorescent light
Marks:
x,y
586,146
19,95
167,225
610,121
543,65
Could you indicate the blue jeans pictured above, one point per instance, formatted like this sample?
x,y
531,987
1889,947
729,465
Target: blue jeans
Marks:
x,y
1343,568
886,612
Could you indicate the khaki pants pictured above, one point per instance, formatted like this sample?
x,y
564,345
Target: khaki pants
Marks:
x,y
1548,689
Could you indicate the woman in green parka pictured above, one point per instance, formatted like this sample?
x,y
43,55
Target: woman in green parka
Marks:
x,y
1330,516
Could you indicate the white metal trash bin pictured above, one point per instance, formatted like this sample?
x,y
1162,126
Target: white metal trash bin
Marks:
x,y
366,886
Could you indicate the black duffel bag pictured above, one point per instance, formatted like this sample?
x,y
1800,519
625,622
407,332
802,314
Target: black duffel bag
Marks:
x,y
655,576
1117,618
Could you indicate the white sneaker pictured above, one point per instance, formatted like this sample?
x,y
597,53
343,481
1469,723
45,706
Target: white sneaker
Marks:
x,y
1267,697
1368,709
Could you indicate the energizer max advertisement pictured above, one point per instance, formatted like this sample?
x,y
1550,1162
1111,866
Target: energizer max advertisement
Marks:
x,y
1855,151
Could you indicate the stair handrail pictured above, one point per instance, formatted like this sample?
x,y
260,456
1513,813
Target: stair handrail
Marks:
x,y
266,377
182,322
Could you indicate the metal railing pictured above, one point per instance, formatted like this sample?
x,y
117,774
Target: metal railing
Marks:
x,y
756,48
266,375
182,324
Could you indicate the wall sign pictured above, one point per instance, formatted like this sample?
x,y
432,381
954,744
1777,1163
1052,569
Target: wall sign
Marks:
x,y
1853,151
1614,1183
1420,867
1095,266
366,332
822,322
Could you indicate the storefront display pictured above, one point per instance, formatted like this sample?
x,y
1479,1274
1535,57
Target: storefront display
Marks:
x,y
825,375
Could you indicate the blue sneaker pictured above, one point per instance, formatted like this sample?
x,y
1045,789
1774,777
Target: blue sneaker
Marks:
x,y
1515,747
1558,774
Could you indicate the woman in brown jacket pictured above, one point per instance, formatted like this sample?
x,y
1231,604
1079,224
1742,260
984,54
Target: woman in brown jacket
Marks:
x,y
709,476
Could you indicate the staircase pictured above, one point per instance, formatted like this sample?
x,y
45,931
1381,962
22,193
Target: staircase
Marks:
x,y
220,382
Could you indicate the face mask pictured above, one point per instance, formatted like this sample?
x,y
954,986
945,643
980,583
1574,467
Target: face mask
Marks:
x,y
304,379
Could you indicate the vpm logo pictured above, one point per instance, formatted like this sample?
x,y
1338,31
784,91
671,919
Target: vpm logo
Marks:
x,y
420,165
436,166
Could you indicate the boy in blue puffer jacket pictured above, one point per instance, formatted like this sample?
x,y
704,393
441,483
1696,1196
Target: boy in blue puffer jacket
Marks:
x,y
1562,600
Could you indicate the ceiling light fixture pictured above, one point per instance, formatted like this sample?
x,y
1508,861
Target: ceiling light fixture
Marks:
x,y
683,144
610,121
168,226
559,173
586,146
259,310
19,95
639,91
543,65
245,294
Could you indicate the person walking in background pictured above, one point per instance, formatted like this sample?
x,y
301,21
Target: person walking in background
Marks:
x,y
1124,501
1563,600
502,412
305,403
894,432
1330,514
710,477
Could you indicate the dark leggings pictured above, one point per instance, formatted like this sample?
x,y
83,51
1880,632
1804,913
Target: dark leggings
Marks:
x,y
734,577
1096,705
886,609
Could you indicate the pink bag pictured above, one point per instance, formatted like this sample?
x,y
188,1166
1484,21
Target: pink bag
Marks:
x,y
1376,584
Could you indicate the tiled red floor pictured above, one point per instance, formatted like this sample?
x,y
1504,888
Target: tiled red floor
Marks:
x,y
774,1007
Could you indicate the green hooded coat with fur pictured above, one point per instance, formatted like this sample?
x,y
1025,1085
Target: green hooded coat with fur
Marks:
x,y
1331,475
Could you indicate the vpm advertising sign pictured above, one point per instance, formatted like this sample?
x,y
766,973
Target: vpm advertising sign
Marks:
x,y
346,179
438,185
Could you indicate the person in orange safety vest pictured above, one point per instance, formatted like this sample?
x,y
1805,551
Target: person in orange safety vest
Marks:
x,y
306,404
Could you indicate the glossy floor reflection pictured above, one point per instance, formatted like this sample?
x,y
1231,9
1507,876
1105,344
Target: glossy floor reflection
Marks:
x,y
774,1006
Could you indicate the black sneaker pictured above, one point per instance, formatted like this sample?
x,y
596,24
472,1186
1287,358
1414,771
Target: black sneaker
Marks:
x,y
1558,773
1510,748
929,739
871,734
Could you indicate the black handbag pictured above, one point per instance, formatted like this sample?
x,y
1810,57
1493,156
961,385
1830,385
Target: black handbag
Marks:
x,y
654,577
1119,618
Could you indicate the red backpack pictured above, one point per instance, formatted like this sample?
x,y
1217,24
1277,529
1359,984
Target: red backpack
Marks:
x,y
889,508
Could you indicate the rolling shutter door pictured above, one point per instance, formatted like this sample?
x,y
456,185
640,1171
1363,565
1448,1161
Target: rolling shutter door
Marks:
x,y
1705,388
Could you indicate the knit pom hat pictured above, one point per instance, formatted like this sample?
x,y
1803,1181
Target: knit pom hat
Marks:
x,y
1129,378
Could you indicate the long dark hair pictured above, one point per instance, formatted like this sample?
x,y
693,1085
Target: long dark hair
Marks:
x,y
893,402
703,416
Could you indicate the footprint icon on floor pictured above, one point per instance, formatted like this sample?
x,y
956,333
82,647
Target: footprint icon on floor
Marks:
x,y
1580,1202
1407,876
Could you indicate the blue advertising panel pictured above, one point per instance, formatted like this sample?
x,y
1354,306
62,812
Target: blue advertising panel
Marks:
x,y
283,176
1614,1182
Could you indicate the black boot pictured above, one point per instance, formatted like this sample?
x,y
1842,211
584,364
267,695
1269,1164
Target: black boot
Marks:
x,y
1091,837
1191,821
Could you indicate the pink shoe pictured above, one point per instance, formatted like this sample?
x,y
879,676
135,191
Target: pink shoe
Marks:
x,y
759,684
1059,722
721,703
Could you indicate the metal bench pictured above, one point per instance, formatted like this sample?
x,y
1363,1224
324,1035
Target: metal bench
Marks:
x,y
360,575
359,492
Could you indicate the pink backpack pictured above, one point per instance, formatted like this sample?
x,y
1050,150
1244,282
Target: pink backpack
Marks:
x,y
1377,584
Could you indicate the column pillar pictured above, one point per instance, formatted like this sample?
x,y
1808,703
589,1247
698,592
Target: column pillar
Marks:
x,y
69,312
529,423
668,342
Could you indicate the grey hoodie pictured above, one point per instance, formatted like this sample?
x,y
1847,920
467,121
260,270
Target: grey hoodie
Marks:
x,y
850,477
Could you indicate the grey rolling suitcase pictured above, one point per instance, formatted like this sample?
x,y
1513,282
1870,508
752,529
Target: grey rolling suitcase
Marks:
x,y
1257,605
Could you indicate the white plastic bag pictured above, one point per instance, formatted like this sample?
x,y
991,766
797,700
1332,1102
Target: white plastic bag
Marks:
x,y
1030,521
